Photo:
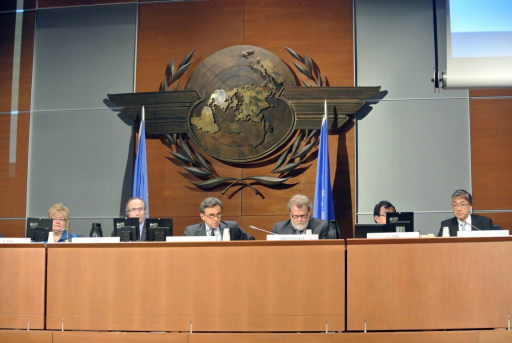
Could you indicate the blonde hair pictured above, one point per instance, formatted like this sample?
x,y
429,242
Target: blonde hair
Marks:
x,y
60,209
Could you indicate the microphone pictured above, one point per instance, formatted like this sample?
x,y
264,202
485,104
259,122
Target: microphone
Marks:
x,y
474,227
255,228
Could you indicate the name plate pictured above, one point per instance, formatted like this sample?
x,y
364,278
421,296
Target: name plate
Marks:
x,y
96,240
190,239
393,235
14,240
483,233
292,237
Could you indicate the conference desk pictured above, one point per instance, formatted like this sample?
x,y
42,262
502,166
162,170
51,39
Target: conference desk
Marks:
x,y
429,283
395,285
22,291
242,286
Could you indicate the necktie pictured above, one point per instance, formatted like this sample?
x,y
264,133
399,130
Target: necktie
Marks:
x,y
463,226
212,232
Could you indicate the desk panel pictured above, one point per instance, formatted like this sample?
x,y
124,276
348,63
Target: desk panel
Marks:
x,y
22,285
218,286
424,284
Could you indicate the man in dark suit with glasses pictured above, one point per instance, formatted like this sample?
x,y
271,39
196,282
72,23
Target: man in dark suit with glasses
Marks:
x,y
462,204
299,207
210,212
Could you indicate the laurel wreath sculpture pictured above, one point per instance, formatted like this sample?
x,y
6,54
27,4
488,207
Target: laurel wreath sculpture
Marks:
x,y
289,160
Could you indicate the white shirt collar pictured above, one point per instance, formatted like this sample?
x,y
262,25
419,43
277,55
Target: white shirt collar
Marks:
x,y
468,220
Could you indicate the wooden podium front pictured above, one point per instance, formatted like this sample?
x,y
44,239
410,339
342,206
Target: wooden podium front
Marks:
x,y
429,283
22,292
219,286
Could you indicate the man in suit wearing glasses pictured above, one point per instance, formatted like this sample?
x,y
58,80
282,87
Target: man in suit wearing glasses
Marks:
x,y
210,212
462,204
299,207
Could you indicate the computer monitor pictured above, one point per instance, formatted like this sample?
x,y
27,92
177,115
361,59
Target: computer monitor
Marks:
x,y
362,230
127,229
43,224
399,222
158,228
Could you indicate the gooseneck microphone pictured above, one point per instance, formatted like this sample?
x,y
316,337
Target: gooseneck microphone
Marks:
x,y
255,228
474,227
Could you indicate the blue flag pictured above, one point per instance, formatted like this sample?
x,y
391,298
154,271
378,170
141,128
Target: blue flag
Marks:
x,y
140,174
323,204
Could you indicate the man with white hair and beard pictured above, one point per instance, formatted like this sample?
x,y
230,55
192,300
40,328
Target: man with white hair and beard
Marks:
x,y
299,207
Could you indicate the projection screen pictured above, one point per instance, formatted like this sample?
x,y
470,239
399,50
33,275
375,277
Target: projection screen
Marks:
x,y
479,38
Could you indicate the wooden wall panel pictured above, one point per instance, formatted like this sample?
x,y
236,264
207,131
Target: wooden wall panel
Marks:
x,y
26,63
389,287
489,92
172,30
491,148
12,228
22,286
503,219
172,194
262,338
324,33
16,336
248,291
13,176
320,29
473,336
118,337
416,337
7,23
344,181
10,5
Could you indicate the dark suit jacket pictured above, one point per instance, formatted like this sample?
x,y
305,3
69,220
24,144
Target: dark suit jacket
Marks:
x,y
143,233
235,232
317,226
481,222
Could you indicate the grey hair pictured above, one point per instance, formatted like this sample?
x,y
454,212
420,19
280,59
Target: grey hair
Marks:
x,y
210,202
460,192
299,200
134,198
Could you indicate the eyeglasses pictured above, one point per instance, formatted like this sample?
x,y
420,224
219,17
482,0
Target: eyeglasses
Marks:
x,y
214,216
301,216
462,205
59,219
138,209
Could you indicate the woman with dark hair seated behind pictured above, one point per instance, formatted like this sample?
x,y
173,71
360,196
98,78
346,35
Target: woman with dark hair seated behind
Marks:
x,y
60,216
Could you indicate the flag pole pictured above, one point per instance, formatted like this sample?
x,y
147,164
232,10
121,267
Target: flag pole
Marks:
x,y
140,177
325,109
